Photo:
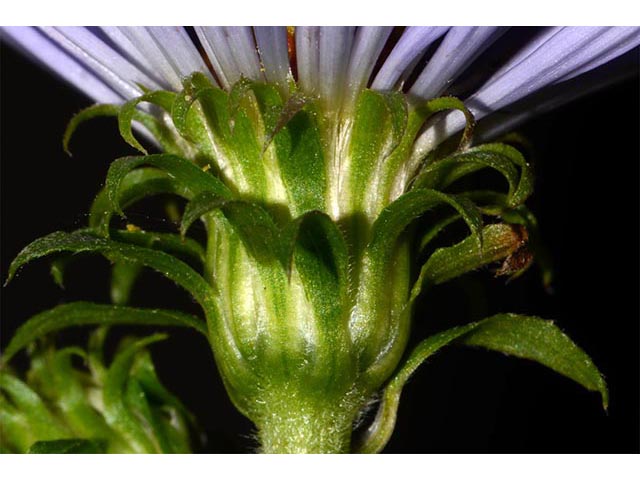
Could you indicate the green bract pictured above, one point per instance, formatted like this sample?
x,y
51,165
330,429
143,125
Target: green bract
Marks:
x,y
120,407
307,279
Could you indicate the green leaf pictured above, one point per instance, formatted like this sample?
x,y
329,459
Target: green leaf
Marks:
x,y
166,242
396,217
240,91
224,129
116,411
480,198
540,340
84,115
401,129
527,180
427,109
301,161
421,113
380,121
200,205
215,103
379,258
136,401
145,373
253,172
16,435
315,233
70,445
522,336
85,313
77,399
165,264
251,222
276,114
186,174
182,107
499,242
319,253
256,228
241,125
155,127
379,432
95,353
71,395
128,112
434,229
58,268
80,241
136,185
502,158
190,122
54,377
272,113
442,173
172,243
123,278
32,413
161,410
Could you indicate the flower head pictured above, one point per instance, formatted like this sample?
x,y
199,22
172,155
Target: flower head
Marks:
x,y
308,153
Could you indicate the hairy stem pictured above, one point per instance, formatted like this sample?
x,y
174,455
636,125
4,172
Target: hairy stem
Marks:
x,y
292,424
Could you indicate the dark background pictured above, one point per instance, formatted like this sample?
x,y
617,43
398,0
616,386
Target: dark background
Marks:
x,y
462,400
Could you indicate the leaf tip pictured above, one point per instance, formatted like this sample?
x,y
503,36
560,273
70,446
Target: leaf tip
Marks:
x,y
184,227
65,147
604,393
12,273
66,136
131,140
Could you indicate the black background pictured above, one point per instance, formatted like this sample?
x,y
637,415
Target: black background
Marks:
x,y
462,400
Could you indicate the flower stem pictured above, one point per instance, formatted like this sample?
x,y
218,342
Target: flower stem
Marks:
x,y
292,425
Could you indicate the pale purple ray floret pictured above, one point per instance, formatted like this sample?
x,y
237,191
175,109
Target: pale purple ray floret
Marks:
x,y
109,64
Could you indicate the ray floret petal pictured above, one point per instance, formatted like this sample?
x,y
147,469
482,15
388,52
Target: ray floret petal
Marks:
x,y
331,62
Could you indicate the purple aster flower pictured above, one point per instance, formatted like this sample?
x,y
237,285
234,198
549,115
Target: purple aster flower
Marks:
x,y
111,64
308,154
